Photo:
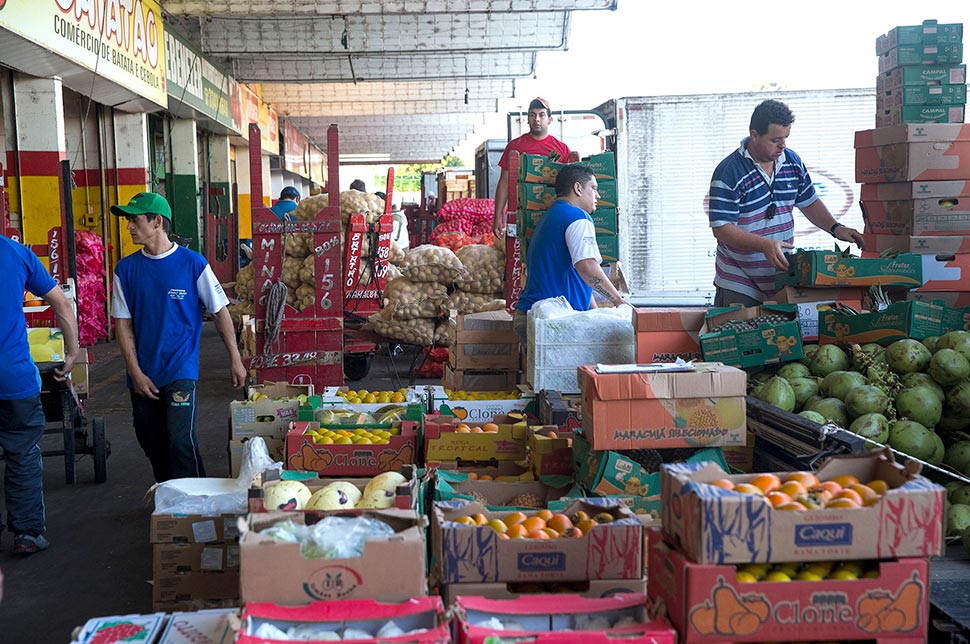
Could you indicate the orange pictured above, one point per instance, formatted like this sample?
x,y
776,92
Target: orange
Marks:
x,y
845,480
579,517
791,505
539,534
533,523
572,533
767,482
868,495
498,525
842,503
878,486
544,514
793,488
831,486
502,535
559,523
553,534
473,476
513,518
727,484
485,477
747,488
776,498
516,531
491,428
586,526
808,479
848,493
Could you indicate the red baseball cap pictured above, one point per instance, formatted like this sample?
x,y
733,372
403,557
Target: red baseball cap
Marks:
x,y
541,102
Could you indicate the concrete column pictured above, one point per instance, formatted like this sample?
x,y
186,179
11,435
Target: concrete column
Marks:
x,y
184,193
39,114
81,144
220,171
268,196
129,175
245,192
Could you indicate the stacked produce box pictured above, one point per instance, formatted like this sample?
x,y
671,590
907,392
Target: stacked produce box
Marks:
x,y
455,184
797,555
483,353
267,412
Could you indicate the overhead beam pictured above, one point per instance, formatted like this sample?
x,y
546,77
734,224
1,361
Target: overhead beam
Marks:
x,y
381,109
386,91
392,121
380,7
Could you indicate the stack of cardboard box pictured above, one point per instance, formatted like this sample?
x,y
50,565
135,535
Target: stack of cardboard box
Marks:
x,y
455,184
920,77
483,353
267,412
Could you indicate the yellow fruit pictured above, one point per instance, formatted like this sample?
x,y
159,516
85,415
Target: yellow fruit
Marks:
x,y
808,575
746,577
343,440
844,575
777,575
397,397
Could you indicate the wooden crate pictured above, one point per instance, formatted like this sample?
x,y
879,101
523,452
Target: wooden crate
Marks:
x,y
483,341
480,380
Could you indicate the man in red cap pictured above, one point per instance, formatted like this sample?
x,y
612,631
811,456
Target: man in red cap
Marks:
x,y
536,141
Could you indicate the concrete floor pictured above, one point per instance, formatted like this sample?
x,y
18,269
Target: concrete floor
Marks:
x,y
100,560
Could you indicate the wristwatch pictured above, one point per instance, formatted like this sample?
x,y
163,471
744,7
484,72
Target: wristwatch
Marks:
x,y
834,226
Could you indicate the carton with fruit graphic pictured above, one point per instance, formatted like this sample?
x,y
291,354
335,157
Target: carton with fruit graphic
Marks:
x,y
704,407
887,600
121,628
861,506
913,319
368,401
499,495
831,268
448,438
46,344
268,409
584,541
346,450
569,619
479,406
752,336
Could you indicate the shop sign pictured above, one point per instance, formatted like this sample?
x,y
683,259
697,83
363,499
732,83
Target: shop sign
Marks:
x,y
120,40
196,82
248,108
294,149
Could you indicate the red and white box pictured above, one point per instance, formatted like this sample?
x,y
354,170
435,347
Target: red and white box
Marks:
x,y
913,152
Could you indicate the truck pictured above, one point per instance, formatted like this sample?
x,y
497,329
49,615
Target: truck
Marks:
x,y
666,150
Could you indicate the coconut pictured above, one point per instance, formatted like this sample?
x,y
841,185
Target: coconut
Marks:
x,y
827,359
951,422
948,367
286,495
915,379
875,427
873,351
838,384
792,370
867,399
919,404
958,398
957,519
958,457
960,494
803,388
930,342
808,352
907,356
832,409
956,340
813,416
912,438
939,452
779,393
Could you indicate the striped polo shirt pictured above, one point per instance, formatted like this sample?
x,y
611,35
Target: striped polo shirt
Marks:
x,y
740,194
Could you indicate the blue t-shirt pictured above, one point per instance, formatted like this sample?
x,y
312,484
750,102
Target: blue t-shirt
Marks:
x,y
164,296
21,269
283,208
549,265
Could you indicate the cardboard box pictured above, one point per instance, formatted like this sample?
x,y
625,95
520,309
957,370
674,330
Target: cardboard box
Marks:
x,y
935,216
195,605
79,374
186,586
275,446
921,54
606,221
713,526
269,416
494,470
767,344
569,619
536,196
609,246
487,404
903,114
170,558
46,344
96,628
422,618
442,443
810,301
829,268
331,398
390,569
665,334
465,553
922,95
406,496
939,245
929,33
924,152
700,597
193,528
700,408
501,496
952,299
917,75
534,168
551,450
908,190
946,272
609,194
603,165
200,627
916,320
303,453
555,409
523,589
478,380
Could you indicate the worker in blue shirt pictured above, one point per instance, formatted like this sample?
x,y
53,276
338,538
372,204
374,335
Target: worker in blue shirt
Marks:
x,y
289,198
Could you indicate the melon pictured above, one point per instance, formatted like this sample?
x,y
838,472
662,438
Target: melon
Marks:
x,y
387,481
339,495
286,495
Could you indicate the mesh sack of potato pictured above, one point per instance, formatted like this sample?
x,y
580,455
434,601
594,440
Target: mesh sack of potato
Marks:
x,y
441,334
291,272
484,269
299,245
393,272
407,300
429,263
239,309
307,269
244,282
362,203
419,331
396,254
305,294
465,302
308,208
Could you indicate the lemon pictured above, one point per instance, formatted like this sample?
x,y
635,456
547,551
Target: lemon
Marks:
x,y
343,440
369,399
746,577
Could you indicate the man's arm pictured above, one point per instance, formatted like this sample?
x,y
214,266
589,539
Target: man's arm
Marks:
x,y
501,201
773,249
67,322
224,325
592,273
819,214
141,383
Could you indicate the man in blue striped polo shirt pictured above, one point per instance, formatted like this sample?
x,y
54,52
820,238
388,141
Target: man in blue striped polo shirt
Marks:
x,y
753,193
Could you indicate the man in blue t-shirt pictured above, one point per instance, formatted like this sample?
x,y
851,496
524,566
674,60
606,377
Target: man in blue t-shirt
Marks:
x,y
753,192
159,294
21,413
563,257
289,200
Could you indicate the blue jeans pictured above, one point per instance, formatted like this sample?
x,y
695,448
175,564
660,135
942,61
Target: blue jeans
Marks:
x,y
165,429
21,427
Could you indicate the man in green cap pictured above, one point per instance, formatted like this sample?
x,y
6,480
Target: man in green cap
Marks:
x,y
159,294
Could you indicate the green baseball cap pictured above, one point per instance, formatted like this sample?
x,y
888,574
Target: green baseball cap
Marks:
x,y
145,203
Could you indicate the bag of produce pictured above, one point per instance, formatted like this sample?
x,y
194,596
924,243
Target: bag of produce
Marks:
x,y
308,208
408,300
465,302
484,269
419,331
429,263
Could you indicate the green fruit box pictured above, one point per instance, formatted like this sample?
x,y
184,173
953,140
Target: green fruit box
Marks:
x,y
467,553
536,196
603,165
304,452
714,525
767,344
930,32
406,495
534,168
915,319
706,603
830,268
443,442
